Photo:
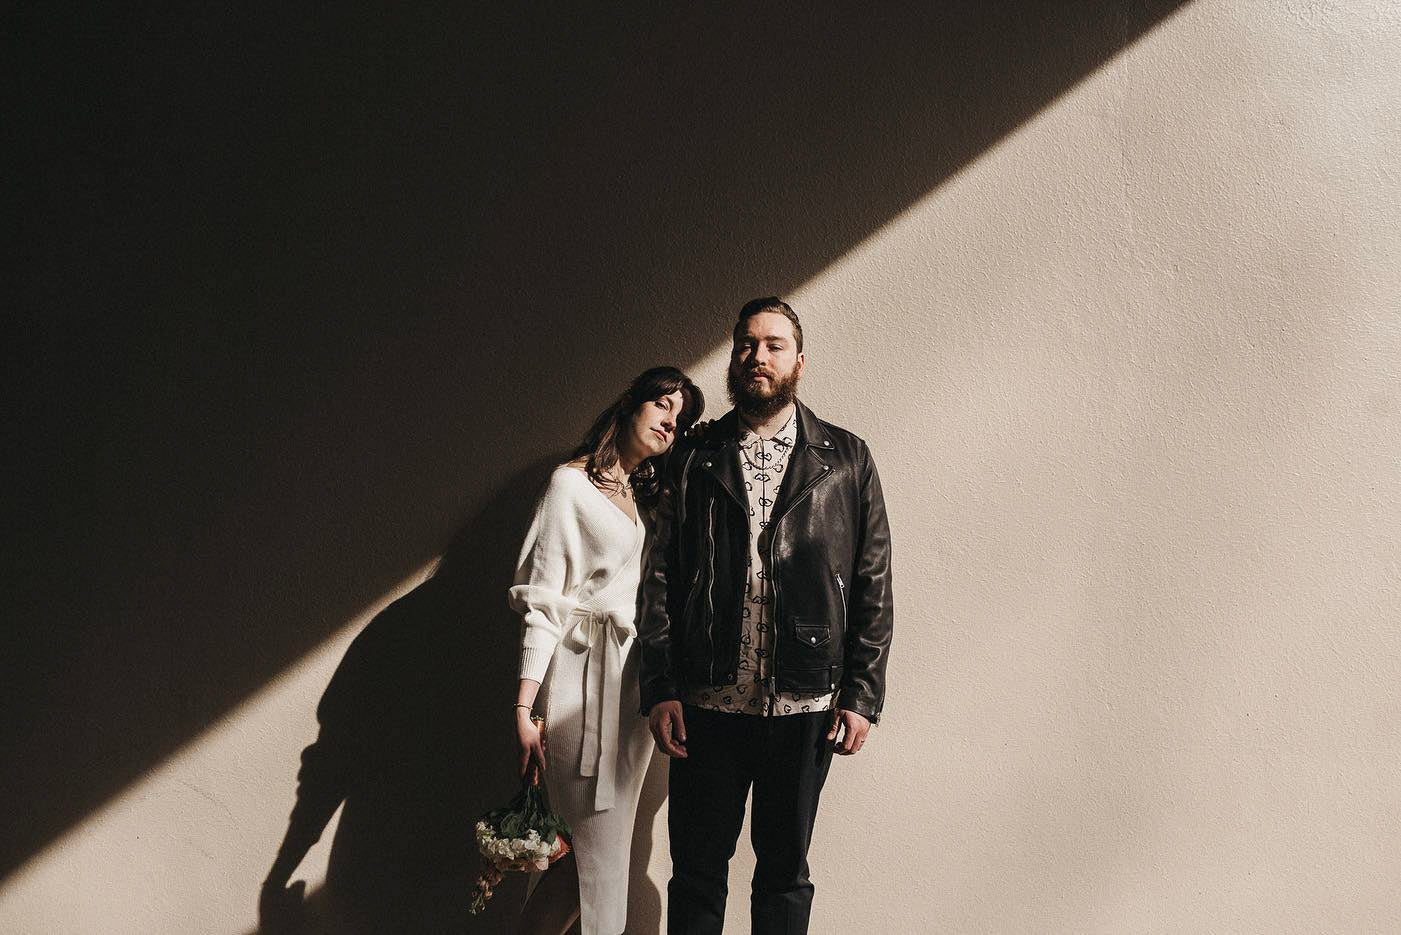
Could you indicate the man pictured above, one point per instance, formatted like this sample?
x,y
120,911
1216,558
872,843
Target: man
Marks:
x,y
765,627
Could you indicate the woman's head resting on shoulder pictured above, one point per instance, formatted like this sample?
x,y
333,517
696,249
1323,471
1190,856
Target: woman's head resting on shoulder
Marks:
x,y
639,427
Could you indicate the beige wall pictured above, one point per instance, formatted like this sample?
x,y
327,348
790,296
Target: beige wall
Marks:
x,y
1130,378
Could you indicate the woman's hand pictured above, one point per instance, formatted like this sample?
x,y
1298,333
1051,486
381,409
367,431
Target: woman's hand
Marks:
x,y
531,744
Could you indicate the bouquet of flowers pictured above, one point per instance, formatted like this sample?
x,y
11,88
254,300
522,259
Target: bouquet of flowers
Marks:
x,y
522,836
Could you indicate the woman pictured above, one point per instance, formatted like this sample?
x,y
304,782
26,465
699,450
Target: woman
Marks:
x,y
576,587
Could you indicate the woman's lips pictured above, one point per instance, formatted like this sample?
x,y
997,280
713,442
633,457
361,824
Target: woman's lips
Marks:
x,y
660,434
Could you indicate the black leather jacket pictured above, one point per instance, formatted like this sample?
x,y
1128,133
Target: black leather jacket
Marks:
x,y
829,562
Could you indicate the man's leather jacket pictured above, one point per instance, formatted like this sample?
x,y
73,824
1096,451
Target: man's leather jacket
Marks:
x,y
828,545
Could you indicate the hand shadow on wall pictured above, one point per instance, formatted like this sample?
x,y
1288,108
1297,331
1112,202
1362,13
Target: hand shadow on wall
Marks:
x,y
416,741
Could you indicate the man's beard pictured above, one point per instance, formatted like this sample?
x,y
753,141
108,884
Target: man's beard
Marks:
x,y
760,407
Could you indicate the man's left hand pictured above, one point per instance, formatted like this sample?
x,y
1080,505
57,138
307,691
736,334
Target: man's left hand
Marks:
x,y
854,729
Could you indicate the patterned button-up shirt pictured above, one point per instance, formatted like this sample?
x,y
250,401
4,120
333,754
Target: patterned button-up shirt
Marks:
x,y
764,462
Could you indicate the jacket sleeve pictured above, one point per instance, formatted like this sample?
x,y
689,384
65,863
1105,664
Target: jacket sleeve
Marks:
x,y
658,671
544,575
872,614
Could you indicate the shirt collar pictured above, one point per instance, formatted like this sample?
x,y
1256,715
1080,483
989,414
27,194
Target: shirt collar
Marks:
x,y
783,438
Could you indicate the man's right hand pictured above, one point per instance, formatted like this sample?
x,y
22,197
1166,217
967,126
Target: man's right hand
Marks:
x,y
668,728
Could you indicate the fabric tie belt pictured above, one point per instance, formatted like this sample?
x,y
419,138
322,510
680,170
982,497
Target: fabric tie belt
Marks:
x,y
601,634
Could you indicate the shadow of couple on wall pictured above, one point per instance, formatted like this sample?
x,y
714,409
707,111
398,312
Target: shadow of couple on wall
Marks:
x,y
269,252
415,741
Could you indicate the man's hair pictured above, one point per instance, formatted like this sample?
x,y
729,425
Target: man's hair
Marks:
x,y
770,303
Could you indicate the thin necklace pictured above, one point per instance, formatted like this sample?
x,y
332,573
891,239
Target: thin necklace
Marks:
x,y
624,485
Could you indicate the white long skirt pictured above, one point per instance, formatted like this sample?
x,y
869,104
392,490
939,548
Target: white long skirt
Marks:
x,y
602,840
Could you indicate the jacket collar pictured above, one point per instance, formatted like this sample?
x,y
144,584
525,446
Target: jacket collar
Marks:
x,y
719,455
810,429
725,430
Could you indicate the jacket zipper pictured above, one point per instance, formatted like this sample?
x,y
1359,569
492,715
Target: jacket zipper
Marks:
x,y
691,597
773,587
774,628
710,588
841,589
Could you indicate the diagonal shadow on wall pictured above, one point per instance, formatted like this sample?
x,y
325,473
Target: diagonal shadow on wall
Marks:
x,y
312,289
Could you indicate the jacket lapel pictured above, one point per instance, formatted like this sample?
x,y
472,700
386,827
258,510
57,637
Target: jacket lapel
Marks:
x,y
806,467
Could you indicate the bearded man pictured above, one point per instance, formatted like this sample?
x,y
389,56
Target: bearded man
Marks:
x,y
765,628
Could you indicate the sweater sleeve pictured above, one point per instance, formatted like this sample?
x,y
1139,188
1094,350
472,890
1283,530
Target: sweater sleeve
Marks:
x,y
545,573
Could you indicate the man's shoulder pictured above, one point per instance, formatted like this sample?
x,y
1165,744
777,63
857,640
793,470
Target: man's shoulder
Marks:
x,y
840,435
682,453
707,433
841,439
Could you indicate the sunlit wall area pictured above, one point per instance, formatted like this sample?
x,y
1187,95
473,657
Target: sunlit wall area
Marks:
x,y
1131,381
1124,348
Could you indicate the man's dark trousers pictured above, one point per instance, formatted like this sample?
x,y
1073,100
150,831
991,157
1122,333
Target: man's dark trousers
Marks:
x,y
786,759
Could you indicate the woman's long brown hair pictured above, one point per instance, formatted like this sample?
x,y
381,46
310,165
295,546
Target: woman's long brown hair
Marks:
x,y
599,449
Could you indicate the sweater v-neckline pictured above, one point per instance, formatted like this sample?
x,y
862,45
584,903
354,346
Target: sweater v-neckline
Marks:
x,y
633,520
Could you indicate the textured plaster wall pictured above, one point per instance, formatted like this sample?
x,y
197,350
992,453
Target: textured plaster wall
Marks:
x,y
1130,378
1132,382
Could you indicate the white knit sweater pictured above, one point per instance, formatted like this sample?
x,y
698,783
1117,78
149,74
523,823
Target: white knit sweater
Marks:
x,y
576,545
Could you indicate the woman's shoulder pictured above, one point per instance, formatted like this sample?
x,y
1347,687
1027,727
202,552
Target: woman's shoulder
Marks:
x,y
567,480
570,472
562,502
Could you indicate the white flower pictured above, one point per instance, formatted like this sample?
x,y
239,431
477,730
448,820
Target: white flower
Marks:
x,y
528,852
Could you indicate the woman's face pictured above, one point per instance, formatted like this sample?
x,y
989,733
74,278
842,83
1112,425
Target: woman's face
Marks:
x,y
654,424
